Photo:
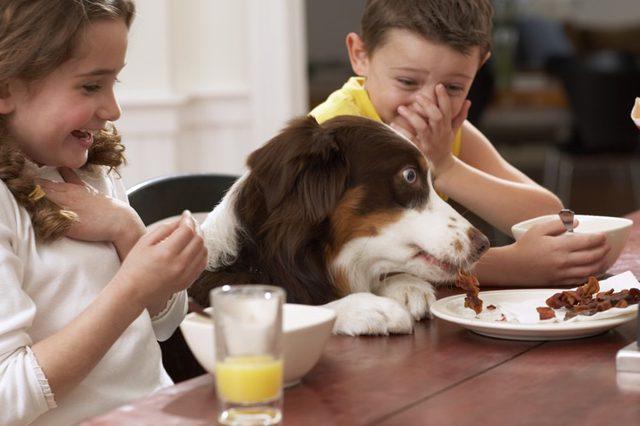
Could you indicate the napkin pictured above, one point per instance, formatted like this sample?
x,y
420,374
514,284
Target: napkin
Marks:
x,y
525,311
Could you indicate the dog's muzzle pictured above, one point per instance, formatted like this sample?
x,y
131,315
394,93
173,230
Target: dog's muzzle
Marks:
x,y
479,243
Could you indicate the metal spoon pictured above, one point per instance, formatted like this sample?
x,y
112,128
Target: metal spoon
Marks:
x,y
195,307
566,216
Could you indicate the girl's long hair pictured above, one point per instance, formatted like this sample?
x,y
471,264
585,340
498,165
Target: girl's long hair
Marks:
x,y
37,36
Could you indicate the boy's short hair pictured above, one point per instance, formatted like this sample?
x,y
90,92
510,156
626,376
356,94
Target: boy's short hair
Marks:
x,y
460,24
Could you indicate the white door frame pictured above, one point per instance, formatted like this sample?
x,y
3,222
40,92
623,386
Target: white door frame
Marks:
x,y
278,64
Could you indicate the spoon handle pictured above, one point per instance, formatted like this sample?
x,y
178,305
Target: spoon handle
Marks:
x,y
566,216
195,307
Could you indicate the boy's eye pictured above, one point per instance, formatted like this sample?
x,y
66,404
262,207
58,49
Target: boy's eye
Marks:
x,y
407,82
452,88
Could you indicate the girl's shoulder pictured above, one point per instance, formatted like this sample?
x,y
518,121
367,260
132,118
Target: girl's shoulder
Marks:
x,y
7,200
10,212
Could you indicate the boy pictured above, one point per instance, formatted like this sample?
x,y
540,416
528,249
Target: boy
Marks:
x,y
416,61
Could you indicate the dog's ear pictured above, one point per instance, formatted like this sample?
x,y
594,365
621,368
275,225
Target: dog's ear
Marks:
x,y
298,177
322,174
304,162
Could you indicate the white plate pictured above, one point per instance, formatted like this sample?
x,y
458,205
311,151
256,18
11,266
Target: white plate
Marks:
x,y
452,309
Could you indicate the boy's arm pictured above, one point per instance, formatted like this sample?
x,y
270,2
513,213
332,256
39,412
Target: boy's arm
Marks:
x,y
482,181
545,255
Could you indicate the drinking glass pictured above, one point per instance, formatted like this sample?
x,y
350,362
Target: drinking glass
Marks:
x,y
248,336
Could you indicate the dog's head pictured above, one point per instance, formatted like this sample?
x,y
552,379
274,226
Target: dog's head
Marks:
x,y
346,203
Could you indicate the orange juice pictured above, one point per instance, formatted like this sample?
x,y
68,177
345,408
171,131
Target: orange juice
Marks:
x,y
249,379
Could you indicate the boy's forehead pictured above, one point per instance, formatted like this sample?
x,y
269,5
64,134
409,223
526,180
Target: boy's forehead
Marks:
x,y
406,49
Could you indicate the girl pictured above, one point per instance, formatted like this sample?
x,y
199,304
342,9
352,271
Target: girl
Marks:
x,y
84,295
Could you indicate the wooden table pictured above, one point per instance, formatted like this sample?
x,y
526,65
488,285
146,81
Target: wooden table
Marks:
x,y
440,375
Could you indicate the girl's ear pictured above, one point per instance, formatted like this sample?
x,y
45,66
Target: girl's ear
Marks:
x,y
357,54
7,104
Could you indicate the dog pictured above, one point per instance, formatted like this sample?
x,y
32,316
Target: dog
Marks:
x,y
341,214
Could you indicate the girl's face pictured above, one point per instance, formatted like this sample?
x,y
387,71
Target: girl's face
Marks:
x,y
406,64
53,119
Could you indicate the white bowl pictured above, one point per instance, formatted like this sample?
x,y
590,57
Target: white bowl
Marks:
x,y
306,330
617,230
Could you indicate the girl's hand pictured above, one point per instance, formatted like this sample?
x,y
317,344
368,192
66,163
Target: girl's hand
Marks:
x,y
550,256
164,261
101,218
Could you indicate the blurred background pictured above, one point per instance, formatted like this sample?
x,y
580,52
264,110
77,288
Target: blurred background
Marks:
x,y
208,81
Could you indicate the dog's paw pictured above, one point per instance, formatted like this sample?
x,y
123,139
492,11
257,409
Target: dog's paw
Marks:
x,y
416,298
366,313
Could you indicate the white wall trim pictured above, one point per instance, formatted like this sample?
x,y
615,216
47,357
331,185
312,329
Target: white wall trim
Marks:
x,y
224,79
200,132
277,48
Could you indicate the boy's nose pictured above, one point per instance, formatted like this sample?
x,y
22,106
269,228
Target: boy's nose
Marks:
x,y
428,92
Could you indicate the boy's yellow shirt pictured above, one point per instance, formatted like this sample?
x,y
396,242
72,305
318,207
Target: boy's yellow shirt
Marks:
x,y
353,99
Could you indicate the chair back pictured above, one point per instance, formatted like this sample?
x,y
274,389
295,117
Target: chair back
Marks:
x,y
164,197
601,89
168,196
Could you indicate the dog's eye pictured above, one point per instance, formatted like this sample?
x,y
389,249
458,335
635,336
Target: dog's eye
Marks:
x,y
409,174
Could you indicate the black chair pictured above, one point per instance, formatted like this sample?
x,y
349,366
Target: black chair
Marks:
x,y
601,88
157,199
168,196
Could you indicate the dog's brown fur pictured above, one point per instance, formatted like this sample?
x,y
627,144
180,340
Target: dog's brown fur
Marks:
x,y
311,189
309,192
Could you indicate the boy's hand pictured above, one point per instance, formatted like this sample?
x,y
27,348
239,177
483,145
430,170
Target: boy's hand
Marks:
x,y
550,256
432,129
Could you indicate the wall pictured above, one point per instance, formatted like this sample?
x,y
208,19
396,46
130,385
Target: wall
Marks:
x,y
328,22
207,81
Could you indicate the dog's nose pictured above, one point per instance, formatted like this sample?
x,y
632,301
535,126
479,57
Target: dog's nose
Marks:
x,y
479,243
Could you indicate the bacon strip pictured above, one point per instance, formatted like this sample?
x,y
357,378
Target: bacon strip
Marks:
x,y
546,313
586,300
471,286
